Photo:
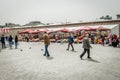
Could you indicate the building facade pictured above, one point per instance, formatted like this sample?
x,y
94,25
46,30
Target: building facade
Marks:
x,y
14,31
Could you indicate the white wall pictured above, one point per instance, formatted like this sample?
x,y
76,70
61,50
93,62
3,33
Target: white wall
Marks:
x,y
115,30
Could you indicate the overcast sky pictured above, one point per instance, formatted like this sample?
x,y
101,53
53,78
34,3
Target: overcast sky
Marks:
x,y
52,11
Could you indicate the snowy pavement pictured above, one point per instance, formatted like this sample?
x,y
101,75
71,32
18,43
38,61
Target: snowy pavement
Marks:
x,y
28,63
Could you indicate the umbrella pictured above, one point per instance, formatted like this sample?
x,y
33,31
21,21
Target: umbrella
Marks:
x,y
33,32
41,30
63,30
26,31
87,28
101,28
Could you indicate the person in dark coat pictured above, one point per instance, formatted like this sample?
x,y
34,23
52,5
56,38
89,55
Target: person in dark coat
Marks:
x,y
16,41
3,42
103,40
115,40
10,41
86,46
70,42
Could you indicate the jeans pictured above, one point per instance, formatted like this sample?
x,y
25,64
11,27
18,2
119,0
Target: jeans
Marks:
x,y
3,45
10,44
16,44
46,51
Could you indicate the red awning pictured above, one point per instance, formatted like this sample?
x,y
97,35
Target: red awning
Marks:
x,y
63,30
26,31
101,28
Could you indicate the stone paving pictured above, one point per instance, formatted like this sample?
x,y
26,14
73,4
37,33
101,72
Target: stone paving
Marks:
x,y
28,63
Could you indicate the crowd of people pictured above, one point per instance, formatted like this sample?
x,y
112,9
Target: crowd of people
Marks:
x,y
110,40
94,38
10,40
87,39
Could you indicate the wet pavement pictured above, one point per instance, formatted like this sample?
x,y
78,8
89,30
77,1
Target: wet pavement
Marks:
x,y
28,63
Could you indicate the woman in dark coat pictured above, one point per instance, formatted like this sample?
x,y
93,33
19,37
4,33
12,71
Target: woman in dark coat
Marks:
x,y
16,41
10,41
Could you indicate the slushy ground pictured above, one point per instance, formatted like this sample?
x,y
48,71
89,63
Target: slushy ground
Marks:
x,y
28,63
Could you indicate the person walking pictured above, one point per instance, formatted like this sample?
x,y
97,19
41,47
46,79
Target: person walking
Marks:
x,y
3,42
10,41
115,40
70,42
46,43
16,41
86,47
103,40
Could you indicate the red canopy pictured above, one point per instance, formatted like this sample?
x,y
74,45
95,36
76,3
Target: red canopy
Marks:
x,y
73,30
101,28
63,30
41,30
26,31
86,28
45,30
33,32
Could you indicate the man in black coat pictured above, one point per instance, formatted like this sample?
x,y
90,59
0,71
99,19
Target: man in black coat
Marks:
x,y
3,42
